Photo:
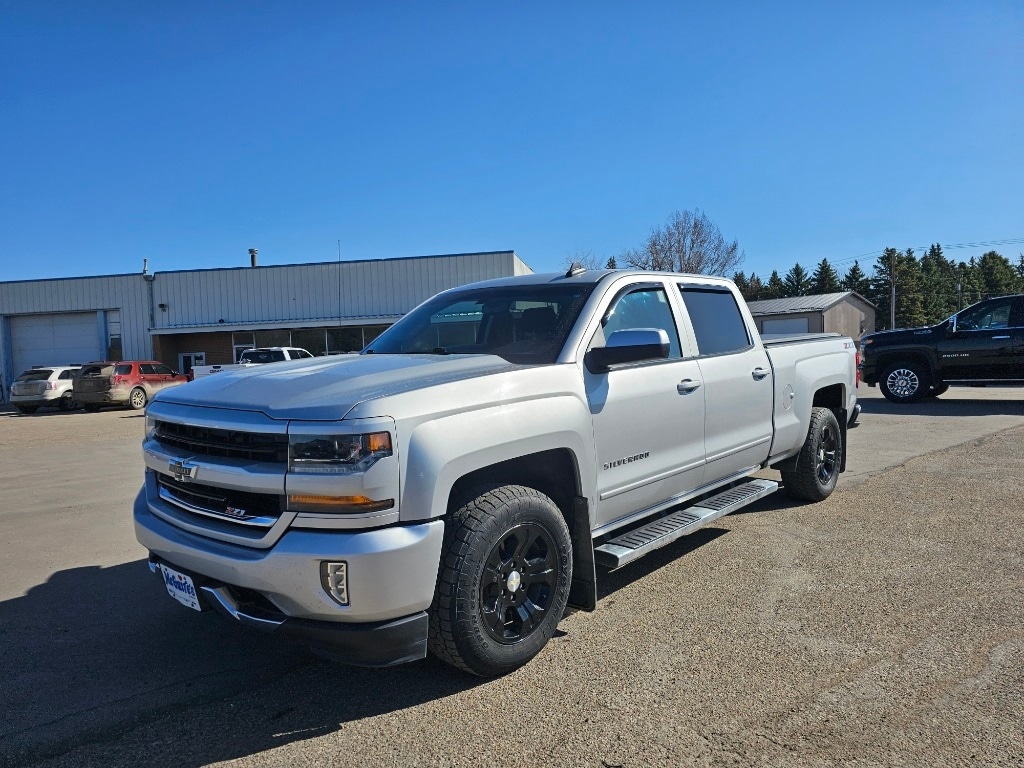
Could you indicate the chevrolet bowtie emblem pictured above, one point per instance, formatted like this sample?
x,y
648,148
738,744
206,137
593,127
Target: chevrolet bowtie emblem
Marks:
x,y
182,470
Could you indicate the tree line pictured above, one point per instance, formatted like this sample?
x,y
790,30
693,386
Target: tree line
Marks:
x,y
928,289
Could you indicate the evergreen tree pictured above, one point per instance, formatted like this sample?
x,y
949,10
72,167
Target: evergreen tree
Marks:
x,y
970,284
825,279
741,282
797,282
774,288
611,264
856,280
909,298
939,285
1020,273
754,288
998,276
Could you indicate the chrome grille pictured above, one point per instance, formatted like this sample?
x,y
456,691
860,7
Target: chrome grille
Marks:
x,y
227,443
251,509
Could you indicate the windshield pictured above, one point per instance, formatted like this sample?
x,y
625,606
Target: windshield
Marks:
x,y
520,323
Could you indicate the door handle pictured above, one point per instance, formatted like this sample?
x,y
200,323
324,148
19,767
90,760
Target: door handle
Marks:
x,y
686,386
759,373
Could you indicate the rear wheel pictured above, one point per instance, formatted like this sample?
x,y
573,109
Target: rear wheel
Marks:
x,y
905,382
817,466
67,402
26,409
137,399
504,580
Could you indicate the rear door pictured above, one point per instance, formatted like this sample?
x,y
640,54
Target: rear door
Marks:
x,y
737,378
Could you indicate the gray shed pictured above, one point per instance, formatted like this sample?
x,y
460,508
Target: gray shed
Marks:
x,y
847,313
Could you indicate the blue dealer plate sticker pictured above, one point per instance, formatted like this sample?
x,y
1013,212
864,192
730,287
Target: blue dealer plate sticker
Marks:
x,y
180,587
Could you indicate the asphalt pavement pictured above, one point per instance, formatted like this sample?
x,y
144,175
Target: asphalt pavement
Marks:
x,y
882,627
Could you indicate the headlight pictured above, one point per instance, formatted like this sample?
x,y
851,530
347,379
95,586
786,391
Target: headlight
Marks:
x,y
336,454
150,427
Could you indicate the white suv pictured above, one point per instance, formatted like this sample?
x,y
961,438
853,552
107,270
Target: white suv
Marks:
x,y
45,386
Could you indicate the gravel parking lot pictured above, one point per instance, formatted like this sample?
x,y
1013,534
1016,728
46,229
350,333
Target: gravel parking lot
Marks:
x,y
882,627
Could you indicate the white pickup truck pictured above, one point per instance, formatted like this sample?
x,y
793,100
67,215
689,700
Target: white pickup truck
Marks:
x,y
461,481
251,357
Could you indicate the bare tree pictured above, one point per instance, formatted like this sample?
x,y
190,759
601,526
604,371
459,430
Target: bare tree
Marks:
x,y
585,259
689,242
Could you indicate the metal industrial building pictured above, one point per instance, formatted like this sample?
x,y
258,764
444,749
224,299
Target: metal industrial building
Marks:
x,y
207,316
847,313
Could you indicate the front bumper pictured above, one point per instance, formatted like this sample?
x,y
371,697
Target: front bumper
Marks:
x,y
392,573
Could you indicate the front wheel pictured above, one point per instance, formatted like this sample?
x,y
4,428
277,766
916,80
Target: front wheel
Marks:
x,y
905,382
504,580
137,399
817,465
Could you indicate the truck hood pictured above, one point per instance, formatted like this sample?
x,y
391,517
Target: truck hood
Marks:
x,y
900,335
325,389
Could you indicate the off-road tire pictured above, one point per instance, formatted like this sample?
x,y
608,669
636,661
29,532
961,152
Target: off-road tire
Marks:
x,y
817,466
905,382
137,399
27,409
503,585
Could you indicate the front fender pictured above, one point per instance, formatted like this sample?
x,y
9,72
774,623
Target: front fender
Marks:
x,y
442,450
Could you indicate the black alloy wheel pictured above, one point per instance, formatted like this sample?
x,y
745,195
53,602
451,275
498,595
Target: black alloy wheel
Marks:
x,y
518,583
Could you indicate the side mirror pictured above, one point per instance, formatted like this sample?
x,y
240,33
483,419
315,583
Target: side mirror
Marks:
x,y
633,345
952,324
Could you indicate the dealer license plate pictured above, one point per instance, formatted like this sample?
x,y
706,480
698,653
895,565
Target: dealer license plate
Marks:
x,y
180,587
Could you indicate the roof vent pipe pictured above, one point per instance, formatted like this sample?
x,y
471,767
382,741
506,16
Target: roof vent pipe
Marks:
x,y
252,256
145,266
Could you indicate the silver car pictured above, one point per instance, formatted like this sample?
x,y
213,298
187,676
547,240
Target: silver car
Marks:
x,y
45,386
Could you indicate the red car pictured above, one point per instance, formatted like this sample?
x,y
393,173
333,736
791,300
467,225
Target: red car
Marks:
x,y
125,382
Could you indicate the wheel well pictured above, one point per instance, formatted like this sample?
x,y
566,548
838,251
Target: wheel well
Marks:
x,y
553,473
892,359
830,397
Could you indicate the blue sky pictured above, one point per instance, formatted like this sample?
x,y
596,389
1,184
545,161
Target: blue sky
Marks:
x,y
187,133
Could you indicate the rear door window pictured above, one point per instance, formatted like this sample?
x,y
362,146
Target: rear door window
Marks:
x,y
717,322
98,370
147,368
163,370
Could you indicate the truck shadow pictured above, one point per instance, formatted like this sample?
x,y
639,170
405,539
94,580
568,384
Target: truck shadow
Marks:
x,y
610,582
947,405
97,654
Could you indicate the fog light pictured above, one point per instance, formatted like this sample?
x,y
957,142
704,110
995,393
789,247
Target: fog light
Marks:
x,y
334,577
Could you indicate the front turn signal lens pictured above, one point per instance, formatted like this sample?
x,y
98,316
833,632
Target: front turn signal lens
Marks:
x,y
345,505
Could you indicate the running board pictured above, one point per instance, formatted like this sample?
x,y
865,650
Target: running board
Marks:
x,y
641,541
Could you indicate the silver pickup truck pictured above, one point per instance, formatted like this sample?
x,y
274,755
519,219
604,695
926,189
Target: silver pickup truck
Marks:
x,y
461,481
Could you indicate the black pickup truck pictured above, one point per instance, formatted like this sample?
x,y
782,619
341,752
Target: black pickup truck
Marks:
x,y
983,344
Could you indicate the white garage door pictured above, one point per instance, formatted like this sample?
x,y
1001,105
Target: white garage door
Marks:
x,y
54,340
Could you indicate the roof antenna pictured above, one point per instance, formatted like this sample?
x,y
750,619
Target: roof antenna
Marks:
x,y
575,269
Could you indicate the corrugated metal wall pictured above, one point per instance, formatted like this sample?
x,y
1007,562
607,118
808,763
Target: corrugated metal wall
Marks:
x,y
125,293
382,289
387,288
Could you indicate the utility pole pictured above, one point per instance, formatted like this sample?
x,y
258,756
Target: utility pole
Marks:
x,y
892,295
